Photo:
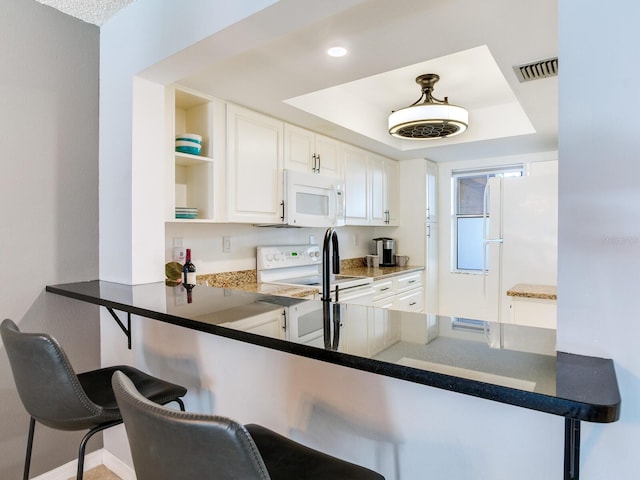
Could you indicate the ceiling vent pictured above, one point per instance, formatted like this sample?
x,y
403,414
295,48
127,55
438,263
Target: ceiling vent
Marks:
x,y
537,70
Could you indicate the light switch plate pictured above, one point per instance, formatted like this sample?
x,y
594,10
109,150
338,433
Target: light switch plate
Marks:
x,y
179,254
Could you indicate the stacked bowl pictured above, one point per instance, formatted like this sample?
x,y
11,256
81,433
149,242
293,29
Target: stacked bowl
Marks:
x,y
189,143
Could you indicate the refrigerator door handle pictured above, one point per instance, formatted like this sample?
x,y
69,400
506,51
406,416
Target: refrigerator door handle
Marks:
x,y
485,268
485,216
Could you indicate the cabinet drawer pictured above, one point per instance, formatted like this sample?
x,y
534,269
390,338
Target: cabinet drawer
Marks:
x,y
411,301
382,288
407,282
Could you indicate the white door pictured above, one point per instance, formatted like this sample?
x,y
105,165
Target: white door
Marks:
x,y
254,167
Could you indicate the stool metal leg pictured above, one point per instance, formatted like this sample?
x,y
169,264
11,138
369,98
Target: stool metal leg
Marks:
x,y
83,445
27,460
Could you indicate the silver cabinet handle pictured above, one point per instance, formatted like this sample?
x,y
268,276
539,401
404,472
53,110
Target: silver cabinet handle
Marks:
x,y
314,162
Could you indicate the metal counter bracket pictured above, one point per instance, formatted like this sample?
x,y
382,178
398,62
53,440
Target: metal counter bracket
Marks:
x,y
571,449
127,329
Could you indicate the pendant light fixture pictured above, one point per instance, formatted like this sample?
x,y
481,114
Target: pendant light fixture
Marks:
x,y
432,118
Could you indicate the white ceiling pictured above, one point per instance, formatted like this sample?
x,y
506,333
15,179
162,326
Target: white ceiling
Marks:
x,y
91,11
472,45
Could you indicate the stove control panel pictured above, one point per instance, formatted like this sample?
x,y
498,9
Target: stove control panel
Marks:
x,y
282,256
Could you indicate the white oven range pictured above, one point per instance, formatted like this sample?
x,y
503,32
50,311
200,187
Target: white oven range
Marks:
x,y
301,265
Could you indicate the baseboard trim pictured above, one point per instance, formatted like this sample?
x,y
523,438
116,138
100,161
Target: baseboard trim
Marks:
x,y
91,460
117,466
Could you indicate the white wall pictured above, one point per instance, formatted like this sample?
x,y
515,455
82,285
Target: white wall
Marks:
x,y
141,35
48,204
599,215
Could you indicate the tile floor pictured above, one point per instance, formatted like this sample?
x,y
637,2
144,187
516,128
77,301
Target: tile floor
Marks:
x,y
99,473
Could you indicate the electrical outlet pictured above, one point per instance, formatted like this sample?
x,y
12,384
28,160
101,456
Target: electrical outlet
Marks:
x,y
312,239
226,244
356,240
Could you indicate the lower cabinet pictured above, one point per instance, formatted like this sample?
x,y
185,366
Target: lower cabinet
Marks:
x,y
402,292
533,312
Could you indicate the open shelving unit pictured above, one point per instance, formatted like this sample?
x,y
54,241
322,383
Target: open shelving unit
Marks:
x,y
193,175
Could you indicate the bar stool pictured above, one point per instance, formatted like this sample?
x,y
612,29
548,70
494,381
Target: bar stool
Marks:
x,y
55,396
167,444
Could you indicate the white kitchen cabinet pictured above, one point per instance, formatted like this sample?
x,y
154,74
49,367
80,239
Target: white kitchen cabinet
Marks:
x,y
356,185
411,301
402,292
254,167
371,188
409,294
195,180
534,312
306,151
384,204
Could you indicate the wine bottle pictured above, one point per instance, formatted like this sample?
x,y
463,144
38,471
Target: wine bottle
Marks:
x,y
189,272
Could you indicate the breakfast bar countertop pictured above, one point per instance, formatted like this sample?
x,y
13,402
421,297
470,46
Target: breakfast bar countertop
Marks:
x,y
572,386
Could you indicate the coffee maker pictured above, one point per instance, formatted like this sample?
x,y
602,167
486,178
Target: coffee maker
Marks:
x,y
385,248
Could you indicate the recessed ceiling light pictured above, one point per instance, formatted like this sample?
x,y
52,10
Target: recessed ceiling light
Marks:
x,y
337,52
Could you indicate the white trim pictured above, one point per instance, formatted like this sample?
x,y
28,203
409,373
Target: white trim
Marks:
x,y
91,460
117,466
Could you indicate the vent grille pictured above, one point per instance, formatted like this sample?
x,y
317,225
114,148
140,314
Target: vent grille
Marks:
x,y
536,70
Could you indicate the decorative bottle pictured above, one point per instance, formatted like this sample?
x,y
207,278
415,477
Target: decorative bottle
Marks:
x,y
189,272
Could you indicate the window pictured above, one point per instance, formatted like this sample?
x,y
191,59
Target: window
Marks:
x,y
468,214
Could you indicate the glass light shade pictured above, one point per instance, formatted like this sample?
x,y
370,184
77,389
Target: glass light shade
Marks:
x,y
429,114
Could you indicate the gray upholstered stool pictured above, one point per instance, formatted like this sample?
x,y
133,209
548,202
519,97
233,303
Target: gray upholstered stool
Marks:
x,y
55,396
167,444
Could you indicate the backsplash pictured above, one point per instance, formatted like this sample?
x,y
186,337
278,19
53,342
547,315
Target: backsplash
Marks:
x,y
206,244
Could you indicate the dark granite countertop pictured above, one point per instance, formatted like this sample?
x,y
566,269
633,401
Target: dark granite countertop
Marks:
x,y
521,368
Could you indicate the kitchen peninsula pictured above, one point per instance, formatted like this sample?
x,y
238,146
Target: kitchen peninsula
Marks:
x,y
578,388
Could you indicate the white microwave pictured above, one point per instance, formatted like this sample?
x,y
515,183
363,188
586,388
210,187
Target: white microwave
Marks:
x,y
312,200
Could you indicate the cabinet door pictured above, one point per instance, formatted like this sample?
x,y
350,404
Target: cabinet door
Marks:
x,y
356,184
391,190
298,149
410,301
327,152
254,167
377,202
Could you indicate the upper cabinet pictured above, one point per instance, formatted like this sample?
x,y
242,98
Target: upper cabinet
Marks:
x,y
357,186
254,167
306,151
371,188
237,176
194,178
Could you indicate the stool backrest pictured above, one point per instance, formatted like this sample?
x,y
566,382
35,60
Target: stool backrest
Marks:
x,y
167,444
46,382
